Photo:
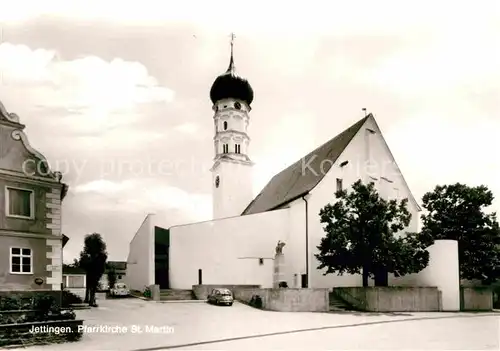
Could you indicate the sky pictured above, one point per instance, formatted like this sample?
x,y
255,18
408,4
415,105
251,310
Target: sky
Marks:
x,y
116,95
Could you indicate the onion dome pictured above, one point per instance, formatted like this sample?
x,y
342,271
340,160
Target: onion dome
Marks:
x,y
230,85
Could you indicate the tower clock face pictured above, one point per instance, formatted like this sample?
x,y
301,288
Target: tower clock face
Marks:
x,y
237,105
217,181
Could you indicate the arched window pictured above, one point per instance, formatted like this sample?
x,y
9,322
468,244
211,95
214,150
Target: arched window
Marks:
x,y
225,148
237,148
225,125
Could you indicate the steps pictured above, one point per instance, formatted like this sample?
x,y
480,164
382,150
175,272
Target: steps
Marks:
x,y
338,305
176,295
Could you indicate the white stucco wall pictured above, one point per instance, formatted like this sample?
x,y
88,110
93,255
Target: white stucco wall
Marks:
x,y
295,249
140,261
235,189
382,165
227,250
442,272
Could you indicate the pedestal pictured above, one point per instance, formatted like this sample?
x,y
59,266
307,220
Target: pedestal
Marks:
x,y
279,270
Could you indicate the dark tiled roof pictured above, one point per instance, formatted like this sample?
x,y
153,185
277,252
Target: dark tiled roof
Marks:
x,y
294,182
117,265
65,240
72,270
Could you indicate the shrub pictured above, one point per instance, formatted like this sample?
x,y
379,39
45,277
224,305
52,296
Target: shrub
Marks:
x,y
44,303
68,299
10,303
62,316
256,301
6,319
147,292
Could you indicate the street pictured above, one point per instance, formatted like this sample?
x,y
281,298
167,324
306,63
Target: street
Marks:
x,y
143,325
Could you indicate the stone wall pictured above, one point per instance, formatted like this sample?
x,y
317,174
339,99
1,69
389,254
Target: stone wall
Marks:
x,y
477,298
287,300
392,299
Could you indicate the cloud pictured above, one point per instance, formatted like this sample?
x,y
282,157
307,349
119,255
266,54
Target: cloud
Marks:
x,y
319,16
103,187
90,84
443,65
148,195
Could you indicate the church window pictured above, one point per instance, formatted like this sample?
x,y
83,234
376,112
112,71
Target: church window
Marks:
x,y
237,105
217,181
339,184
396,193
385,188
225,125
225,148
237,148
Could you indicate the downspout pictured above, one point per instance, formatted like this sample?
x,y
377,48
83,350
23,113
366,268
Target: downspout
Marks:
x,y
307,239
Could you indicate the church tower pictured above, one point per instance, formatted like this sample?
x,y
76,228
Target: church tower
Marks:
x,y
231,96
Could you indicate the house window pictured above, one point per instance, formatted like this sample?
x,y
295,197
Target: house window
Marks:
x,y
75,281
19,203
21,260
225,148
119,277
225,125
237,148
339,184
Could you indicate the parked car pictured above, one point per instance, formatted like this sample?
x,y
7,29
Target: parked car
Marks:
x,y
221,297
120,289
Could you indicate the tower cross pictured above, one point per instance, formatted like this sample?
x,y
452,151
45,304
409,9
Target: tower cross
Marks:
x,y
231,60
232,36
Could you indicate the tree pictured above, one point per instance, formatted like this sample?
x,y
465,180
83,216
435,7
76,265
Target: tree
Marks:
x,y
456,212
111,276
361,236
93,260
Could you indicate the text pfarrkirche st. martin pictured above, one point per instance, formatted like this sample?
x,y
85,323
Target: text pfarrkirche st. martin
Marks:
x,y
105,329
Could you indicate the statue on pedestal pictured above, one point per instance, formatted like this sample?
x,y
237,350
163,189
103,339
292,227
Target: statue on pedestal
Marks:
x,y
279,248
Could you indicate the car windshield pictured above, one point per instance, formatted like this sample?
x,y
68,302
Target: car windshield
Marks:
x,y
120,286
225,293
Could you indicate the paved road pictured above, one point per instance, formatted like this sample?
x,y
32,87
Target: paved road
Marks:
x,y
199,326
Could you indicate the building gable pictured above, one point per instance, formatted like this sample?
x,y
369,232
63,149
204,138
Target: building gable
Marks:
x,y
396,170
383,166
17,156
302,176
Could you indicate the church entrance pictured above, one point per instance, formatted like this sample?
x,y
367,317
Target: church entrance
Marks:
x,y
162,246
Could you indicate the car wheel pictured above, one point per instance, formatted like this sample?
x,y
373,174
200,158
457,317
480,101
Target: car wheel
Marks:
x,y
230,304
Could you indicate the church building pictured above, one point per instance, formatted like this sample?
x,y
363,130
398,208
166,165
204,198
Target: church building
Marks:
x,y
238,245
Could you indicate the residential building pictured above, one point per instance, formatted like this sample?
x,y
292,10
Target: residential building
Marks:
x,y
74,280
31,193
